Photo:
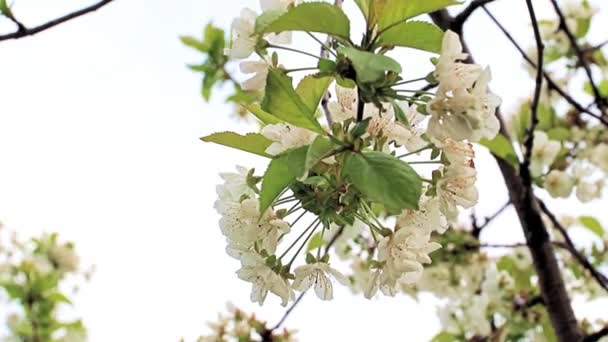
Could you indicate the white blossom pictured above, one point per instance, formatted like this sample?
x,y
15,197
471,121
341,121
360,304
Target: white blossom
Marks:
x,y
243,39
544,152
588,191
345,107
457,188
427,218
457,152
235,185
260,70
599,156
402,255
277,5
285,136
559,184
64,257
450,73
317,274
263,279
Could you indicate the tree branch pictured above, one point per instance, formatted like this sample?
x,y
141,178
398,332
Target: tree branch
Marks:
x,y
551,284
563,25
488,219
463,16
23,31
529,141
596,336
601,279
550,82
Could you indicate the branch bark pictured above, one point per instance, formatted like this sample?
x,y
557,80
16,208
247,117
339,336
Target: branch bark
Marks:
x,y
23,31
550,82
551,284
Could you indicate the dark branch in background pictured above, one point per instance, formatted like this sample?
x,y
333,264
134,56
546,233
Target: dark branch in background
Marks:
x,y
488,219
569,244
596,336
551,284
23,31
529,141
463,16
550,82
325,54
563,25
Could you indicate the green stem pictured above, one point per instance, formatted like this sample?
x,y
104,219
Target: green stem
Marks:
x,y
425,162
304,243
298,239
325,47
427,147
300,69
293,50
409,81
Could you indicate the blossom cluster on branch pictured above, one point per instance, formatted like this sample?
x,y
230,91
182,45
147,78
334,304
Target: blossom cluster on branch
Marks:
x,y
33,276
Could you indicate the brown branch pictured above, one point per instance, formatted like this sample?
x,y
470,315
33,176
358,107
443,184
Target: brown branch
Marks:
x,y
601,279
563,25
550,82
488,219
596,336
23,31
529,141
286,314
551,283
463,16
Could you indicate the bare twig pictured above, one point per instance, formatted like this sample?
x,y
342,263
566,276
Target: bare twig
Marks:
x,y
286,314
569,244
550,82
463,16
23,31
596,336
488,219
541,248
529,141
563,25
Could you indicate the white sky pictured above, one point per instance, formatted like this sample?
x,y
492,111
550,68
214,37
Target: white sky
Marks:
x,y
99,127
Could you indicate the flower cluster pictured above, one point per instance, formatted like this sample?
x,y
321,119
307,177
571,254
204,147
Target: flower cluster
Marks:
x,y
350,182
237,325
31,274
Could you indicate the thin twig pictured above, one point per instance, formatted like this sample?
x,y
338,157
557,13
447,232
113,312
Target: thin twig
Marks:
x,y
596,336
463,16
325,54
563,25
286,314
478,228
529,141
569,244
550,82
23,31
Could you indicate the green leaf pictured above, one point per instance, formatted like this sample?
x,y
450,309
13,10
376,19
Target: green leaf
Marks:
x,y
364,7
312,89
414,34
5,10
265,19
281,172
192,42
315,242
602,87
312,17
384,179
264,116
370,67
282,101
390,12
445,336
558,133
502,147
593,225
317,151
252,142
59,298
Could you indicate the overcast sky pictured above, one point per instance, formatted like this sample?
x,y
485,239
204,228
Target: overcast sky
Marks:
x,y
99,128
